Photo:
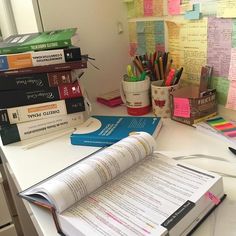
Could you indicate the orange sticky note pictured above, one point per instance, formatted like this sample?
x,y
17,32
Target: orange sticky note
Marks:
x,y
181,107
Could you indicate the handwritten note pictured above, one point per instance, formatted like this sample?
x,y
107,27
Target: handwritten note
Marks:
x,y
232,67
234,34
159,35
141,38
231,101
221,84
226,8
174,7
148,7
181,107
150,37
219,45
208,7
158,7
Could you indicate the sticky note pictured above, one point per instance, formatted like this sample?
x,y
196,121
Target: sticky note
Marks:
x,y
181,107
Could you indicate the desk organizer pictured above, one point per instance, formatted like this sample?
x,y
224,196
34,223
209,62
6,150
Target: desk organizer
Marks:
x,y
189,108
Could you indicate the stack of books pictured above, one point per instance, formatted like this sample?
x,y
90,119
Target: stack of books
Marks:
x,y
40,91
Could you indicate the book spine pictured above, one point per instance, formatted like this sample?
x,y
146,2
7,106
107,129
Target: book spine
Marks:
x,y
39,81
36,47
41,111
23,131
41,58
16,98
81,64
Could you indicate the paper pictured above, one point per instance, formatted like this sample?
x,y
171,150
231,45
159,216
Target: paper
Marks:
x,y
148,7
158,7
232,67
150,37
138,8
207,7
174,7
193,41
159,35
234,34
186,5
219,45
193,14
132,32
141,39
221,85
231,100
181,107
226,8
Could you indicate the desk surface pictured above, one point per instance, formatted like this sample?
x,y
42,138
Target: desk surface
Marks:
x,y
31,166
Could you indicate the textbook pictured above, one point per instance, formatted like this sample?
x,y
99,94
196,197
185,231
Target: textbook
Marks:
x,y
18,132
62,38
39,111
40,58
28,97
39,80
71,65
128,189
102,131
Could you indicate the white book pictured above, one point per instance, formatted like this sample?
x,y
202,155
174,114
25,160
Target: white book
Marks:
x,y
127,189
22,131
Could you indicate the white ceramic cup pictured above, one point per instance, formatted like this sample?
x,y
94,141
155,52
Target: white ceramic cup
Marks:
x,y
161,98
136,96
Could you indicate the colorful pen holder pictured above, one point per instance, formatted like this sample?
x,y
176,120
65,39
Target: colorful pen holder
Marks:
x,y
136,96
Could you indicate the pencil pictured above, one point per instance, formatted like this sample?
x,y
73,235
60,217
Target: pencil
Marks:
x,y
168,67
138,65
156,69
161,68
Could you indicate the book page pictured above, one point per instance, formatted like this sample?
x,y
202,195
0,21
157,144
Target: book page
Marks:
x,y
74,183
141,201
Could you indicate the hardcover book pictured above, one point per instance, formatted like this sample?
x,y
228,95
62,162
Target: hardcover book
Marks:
x,y
62,38
128,189
102,131
39,80
18,132
81,64
40,111
41,58
28,97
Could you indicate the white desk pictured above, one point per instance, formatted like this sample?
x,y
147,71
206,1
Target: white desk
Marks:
x,y
27,167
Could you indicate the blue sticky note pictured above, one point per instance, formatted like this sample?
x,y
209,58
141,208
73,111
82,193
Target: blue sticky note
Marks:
x,y
194,14
3,63
140,28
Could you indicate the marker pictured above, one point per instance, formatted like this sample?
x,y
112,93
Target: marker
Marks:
x,y
232,150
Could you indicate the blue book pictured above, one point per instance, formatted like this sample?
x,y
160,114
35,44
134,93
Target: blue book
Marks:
x,y
100,131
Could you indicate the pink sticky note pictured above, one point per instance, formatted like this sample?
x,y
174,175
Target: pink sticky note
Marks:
x,y
174,7
132,49
181,107
148,7
212,197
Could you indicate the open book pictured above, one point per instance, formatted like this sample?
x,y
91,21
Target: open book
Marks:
x,y
128,189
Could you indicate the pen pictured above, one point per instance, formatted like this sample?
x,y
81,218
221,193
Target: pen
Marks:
x,y
232,150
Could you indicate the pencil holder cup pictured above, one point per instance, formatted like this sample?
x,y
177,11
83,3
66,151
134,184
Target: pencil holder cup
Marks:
x,y
161,98
136,96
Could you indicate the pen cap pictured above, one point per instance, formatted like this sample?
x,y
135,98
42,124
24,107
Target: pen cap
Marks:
x,y
136,96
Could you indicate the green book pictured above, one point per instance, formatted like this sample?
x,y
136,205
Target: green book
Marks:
x,y
62,38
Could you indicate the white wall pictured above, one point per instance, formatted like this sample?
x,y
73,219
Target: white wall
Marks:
x,y
24,16
7,23
97,21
